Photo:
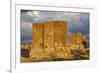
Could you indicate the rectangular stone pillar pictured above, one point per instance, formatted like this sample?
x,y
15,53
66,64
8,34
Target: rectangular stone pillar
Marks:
x,y
60,34
37,39
49,36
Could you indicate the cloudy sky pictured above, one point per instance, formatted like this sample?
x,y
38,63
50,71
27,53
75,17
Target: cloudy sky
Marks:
x,y
77,22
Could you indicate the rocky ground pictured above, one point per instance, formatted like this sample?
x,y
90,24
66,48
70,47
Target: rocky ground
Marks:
x,y
58,55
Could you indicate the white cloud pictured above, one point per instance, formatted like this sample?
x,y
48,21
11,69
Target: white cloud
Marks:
x,y
35,14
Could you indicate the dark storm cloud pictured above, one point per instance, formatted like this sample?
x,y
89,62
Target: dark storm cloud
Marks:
x,y
26,18
83,25
24,11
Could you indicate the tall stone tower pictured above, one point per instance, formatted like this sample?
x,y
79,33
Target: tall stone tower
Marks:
x,y
60,34
37,39
48,36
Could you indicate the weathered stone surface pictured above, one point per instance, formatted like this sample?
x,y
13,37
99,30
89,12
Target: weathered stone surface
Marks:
x,y
77,38
60,33
61,53
48,36
37,39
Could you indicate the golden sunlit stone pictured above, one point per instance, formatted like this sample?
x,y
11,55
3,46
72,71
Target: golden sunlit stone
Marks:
x,y
37,39
49,42
48,36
